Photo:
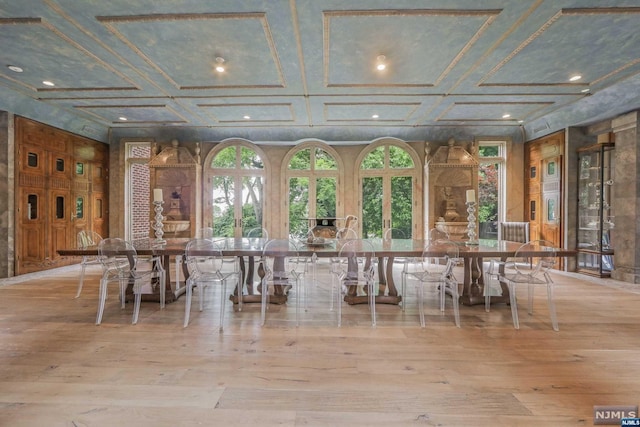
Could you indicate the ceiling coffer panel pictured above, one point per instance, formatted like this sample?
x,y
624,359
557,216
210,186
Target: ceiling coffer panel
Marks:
x,y
185,48
419,47
346,112
488,111
581,35
237,113
135,114
46,53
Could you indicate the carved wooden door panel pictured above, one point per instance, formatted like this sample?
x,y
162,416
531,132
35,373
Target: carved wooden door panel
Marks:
x,y
551,200
80,209
61,230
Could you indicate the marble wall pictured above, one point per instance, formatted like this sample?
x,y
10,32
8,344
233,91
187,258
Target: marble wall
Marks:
x,y
6,187
626,202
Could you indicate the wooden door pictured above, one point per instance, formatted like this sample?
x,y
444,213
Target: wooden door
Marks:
x,y
51,194
543,188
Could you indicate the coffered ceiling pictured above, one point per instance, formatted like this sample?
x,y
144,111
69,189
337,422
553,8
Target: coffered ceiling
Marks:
x,y
297,69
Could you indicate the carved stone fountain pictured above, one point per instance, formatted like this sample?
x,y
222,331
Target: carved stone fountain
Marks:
x,y
449,173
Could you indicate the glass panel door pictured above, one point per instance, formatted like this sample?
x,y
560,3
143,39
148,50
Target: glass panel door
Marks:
x,y
251,203
402,204
372,196
224,195
298,206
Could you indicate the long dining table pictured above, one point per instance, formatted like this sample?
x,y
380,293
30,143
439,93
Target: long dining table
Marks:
x,y
384,250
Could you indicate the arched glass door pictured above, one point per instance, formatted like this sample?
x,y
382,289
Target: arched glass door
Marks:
x,y
312,180
235,185
388,180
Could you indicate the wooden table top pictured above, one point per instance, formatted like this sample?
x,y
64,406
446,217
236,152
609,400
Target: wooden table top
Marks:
x,y
382,248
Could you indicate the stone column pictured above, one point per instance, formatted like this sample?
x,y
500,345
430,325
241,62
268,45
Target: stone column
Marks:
x,y
7,192
626,199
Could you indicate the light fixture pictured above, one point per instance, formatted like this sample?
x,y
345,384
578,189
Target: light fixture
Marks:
x,y
381,64
246,117
122,119
15,68
575,78
48,83
520,121
585,90
506,116
219,64
375,116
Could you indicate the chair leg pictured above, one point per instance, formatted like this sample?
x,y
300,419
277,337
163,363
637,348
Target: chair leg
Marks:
x,y
223,292
420,295
136,307
81,281
339,302
456,303
514,305
240,286
264,300
530,299
552,307
102,297
187,304
372,302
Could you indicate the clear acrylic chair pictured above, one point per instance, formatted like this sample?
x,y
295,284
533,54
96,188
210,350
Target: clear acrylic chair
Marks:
x,y
258,233
354,270
205,265
530,266
87,239
397,233
283,268
120,264
435,268
435,234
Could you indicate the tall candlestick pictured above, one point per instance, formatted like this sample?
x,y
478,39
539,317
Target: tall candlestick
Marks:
x,y
471,196
157,195
157,225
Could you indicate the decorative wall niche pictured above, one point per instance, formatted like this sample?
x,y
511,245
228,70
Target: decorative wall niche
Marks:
x,y
178,174
450,172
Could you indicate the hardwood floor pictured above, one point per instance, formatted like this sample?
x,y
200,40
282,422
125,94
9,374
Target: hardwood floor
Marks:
x,y
57,368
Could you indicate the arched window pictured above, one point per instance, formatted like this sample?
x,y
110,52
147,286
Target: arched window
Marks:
x,y
389,181
234,179
312,172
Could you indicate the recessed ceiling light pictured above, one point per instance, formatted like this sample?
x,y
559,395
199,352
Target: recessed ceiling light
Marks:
x,y
220,66
375,116
122,119
15,68
585,90
246,117
48,83
381,64
575,78
506,116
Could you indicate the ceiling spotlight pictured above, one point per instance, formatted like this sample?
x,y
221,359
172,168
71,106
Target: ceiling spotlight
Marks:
x,y
506,116
585,90
48,83
219,64
15,68
122,119
246,117
575,78
381,63
375,116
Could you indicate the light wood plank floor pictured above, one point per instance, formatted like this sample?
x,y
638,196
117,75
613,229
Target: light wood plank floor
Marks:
x,y
57,368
